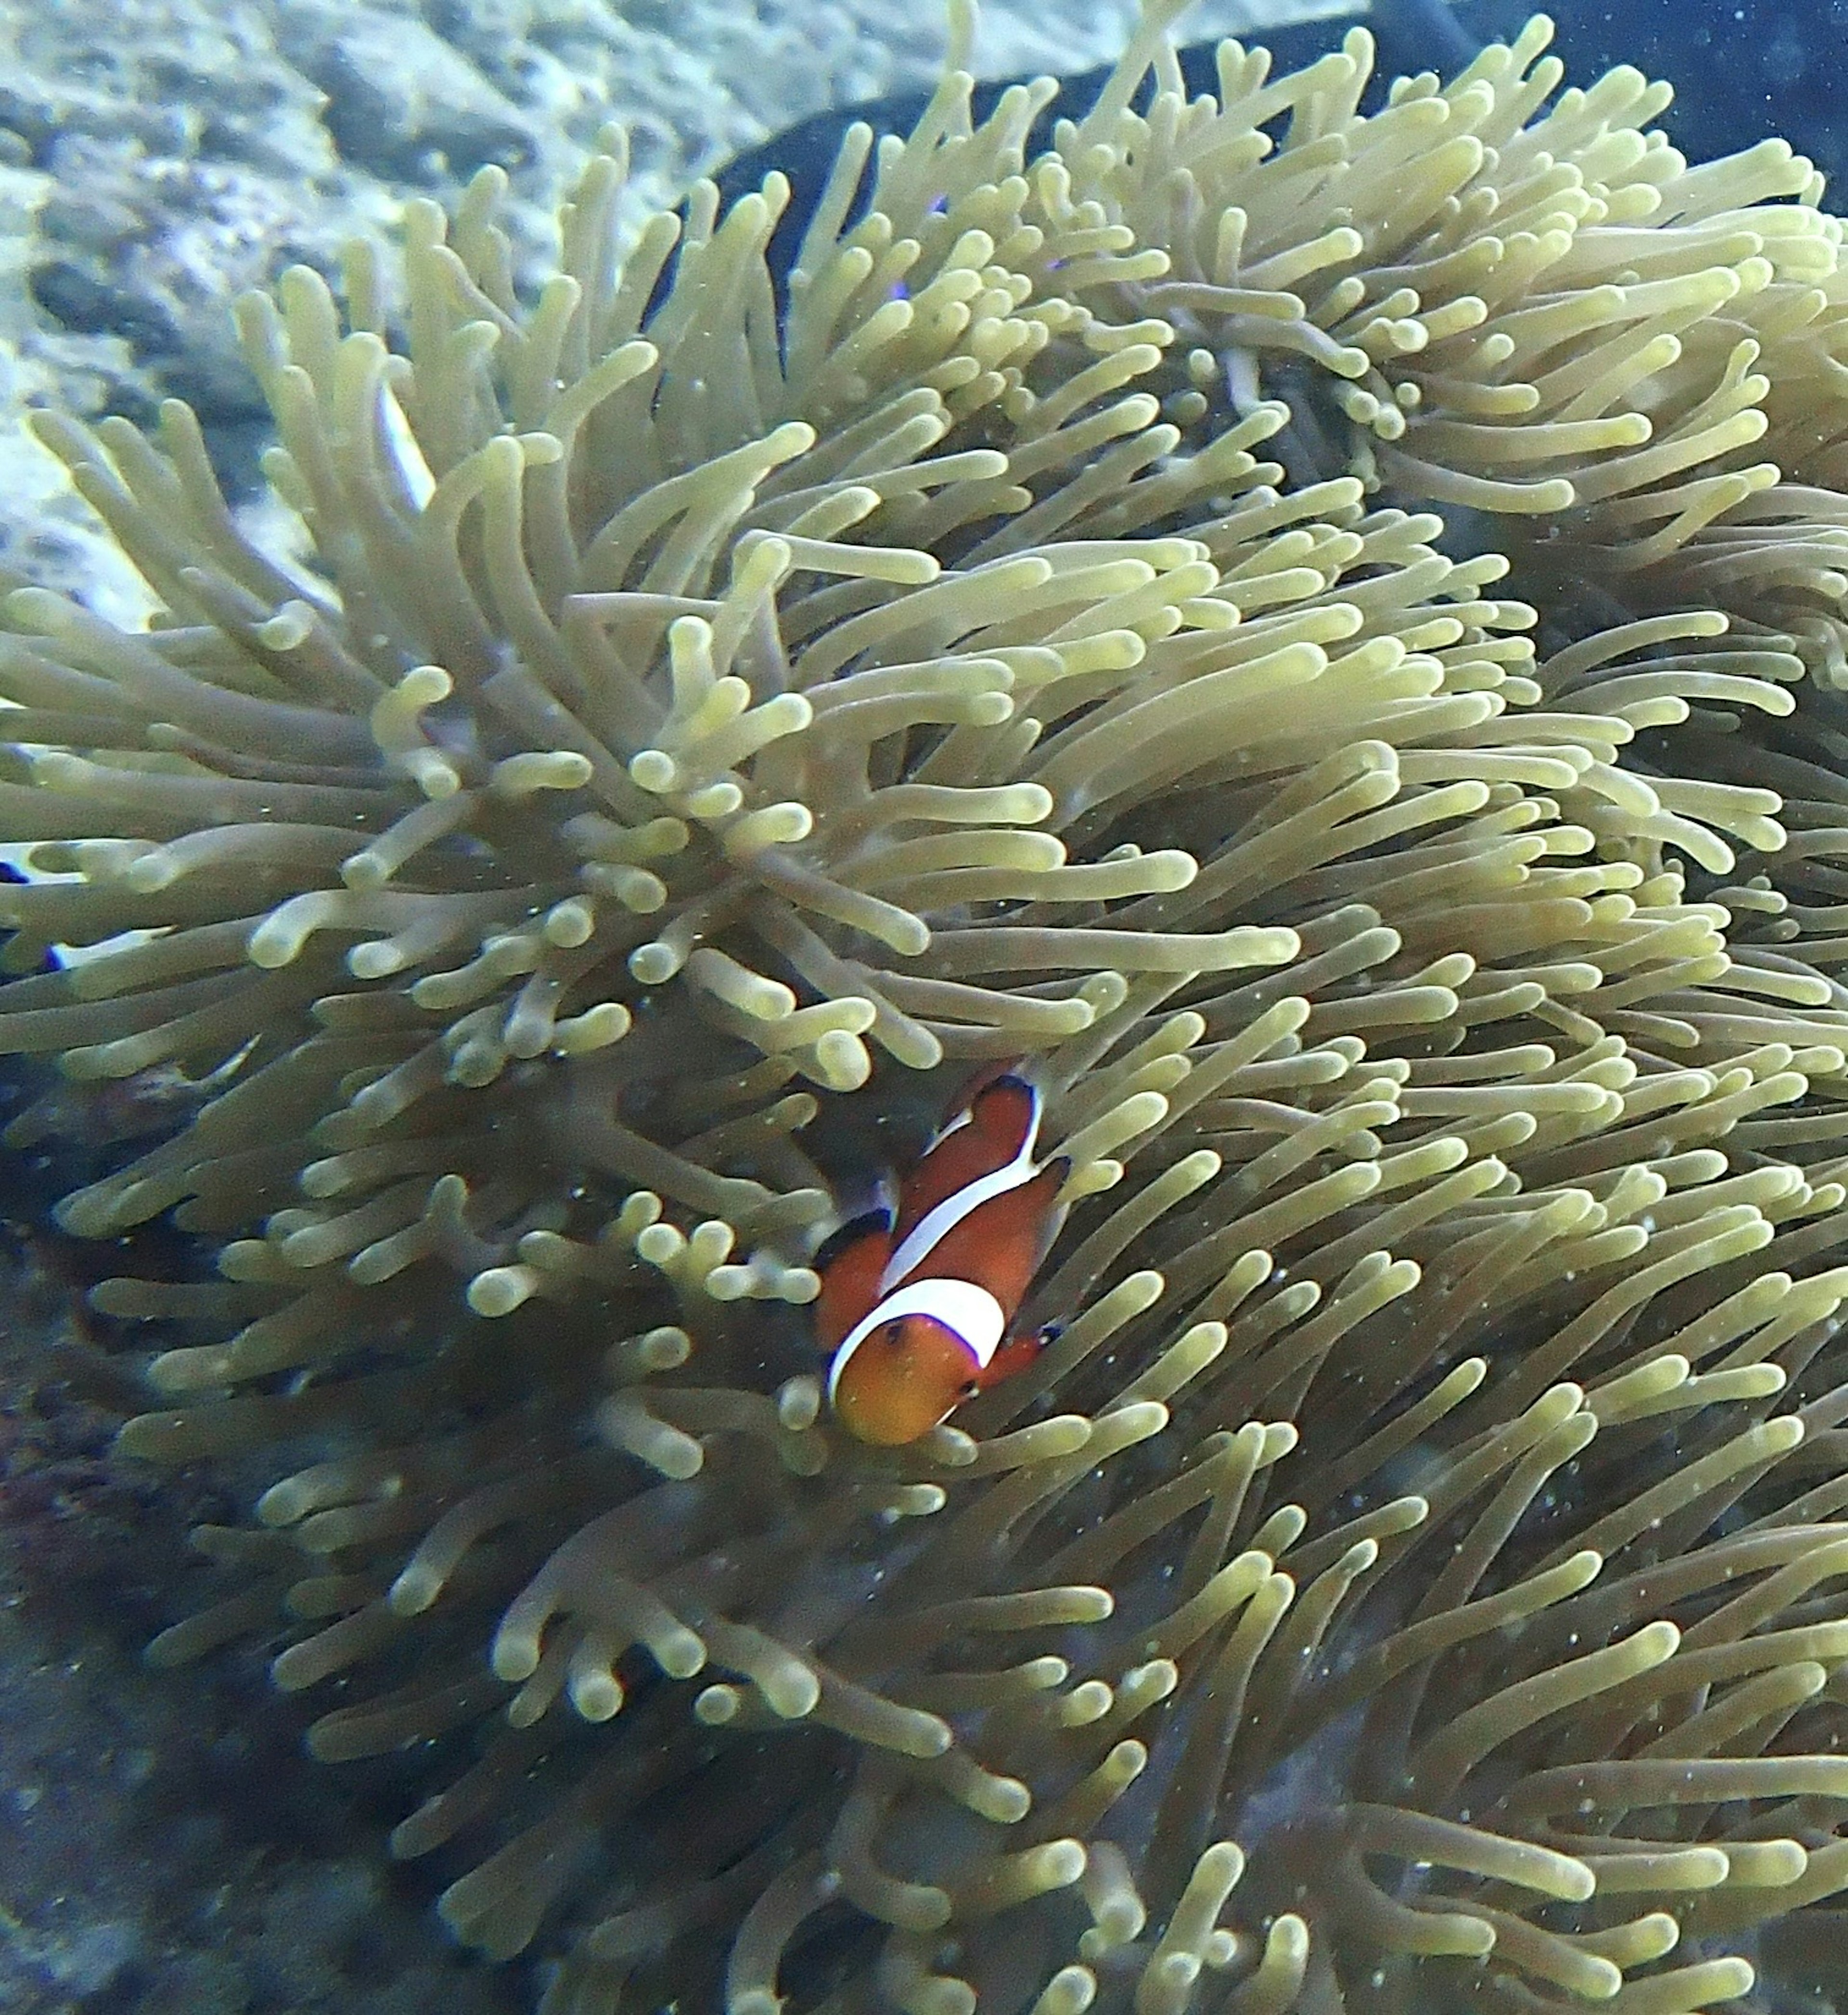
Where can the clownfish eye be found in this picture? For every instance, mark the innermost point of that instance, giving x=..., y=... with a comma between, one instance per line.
x=893, y=1336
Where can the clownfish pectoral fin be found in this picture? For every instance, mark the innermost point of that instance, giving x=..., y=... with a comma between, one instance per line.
x=850, y=1261
x=1015, y=1356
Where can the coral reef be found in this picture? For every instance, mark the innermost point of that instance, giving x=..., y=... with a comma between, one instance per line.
x=710, y=724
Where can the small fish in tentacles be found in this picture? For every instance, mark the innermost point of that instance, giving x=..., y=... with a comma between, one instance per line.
x=918, y=1308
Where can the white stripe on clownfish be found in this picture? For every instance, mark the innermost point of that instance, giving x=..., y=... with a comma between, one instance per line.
x=937, y=1224
x=970, y=1313
x=948, y=1127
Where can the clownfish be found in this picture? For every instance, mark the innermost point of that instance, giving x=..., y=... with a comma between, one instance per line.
x=917, y=1312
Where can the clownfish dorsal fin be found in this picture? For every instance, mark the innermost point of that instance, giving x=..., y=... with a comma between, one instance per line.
x=846, y=1235
x=850, y=1261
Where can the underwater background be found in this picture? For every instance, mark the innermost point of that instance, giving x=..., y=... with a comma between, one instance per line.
x=164, y=1844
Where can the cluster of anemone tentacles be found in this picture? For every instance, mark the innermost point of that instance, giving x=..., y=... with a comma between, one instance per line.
x=707, y=721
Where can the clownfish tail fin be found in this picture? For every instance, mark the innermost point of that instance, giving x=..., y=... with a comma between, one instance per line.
x=850, y=1263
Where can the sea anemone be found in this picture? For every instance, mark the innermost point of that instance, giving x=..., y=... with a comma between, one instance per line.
x=707, y=720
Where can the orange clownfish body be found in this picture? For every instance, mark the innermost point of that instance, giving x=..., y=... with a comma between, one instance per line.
x=918, y=1312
